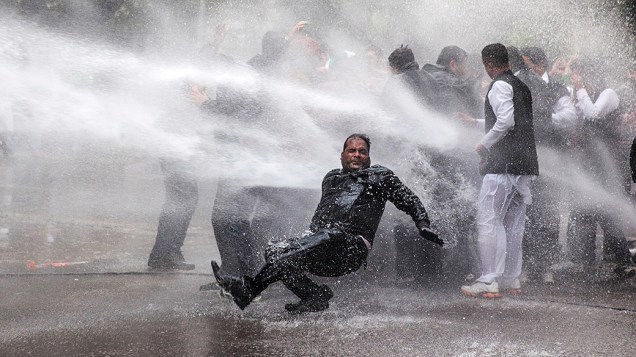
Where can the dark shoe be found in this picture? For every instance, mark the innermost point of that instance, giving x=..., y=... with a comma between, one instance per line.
x=170, y=261
x=318, y=302
x=625, y=271
x=169, y=264
x=239, y=288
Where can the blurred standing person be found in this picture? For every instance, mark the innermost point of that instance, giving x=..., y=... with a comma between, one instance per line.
x=244, y=214
x=600, y=154
x=456, y=91
x=235, y=203
x=416, y=260
x=406, y=75
x=181, y=197
x=453, y=91
x=508, y=161
x=554, y=118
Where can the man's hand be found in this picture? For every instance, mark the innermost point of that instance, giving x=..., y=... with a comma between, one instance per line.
x=298, y=28
x=482, y=152
x=559, y=67
x=198, y=95
x=427, y=233
x=465, y=119
x=577, y=80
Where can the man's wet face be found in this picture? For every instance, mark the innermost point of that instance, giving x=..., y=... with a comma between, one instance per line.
x=459, y=68
x=355, y=155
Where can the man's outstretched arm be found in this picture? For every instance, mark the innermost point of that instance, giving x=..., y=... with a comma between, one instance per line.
x=407, y=201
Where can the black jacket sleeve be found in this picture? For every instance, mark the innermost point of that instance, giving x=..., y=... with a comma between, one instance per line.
x=402, y=197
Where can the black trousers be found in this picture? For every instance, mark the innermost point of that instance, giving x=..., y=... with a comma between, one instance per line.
x=245, y=218
x=328, y=253
x=582, y=236
x=232, y=216
x=180, y=202
x=541, y=247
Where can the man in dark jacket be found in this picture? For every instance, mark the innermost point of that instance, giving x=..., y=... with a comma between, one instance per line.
x=417, y=262
x=235, y=217
x=456, y=92
x=407, y=75
x=554, y=116
x=342, y=232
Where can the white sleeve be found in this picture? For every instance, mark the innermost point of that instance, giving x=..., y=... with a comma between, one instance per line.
x=606, y=103
x=564, y=113
x=500, y=98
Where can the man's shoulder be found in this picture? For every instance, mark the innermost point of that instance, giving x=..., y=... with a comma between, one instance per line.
x=438, y=73
x=508, y=82
x=333, y=172
x=373, y=169
x=380, y=170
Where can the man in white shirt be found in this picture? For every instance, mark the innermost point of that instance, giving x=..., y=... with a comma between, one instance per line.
x=563, y=110
x=508, y=161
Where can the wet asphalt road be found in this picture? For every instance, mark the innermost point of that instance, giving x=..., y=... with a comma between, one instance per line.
x=109, y=304
x=164, y=315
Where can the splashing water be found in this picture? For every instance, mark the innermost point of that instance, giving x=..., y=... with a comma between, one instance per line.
x=73, y=96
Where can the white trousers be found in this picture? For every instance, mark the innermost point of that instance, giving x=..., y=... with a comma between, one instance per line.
x=501, y=216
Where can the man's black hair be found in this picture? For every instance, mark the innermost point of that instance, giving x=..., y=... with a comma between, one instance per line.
x=496, y=54
x=274, y=44
x=364, y=137
x=401, y=57
x=515, y=59
x=536, y=55
x=450, y=53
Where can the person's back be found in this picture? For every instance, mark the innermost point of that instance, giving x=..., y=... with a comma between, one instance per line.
x=274, y=46
x=600, y=151
x=516, y=152
x=454, y=90
x=407, y=75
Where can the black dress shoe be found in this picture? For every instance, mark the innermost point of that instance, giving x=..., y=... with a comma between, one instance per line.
x=240, y=289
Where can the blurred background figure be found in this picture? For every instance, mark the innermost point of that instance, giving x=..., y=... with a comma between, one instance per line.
x=602, y=155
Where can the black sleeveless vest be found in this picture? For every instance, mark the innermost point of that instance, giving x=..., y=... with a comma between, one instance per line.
x=516, y=152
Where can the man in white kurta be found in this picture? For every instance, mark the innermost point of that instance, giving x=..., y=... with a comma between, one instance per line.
x=508, y=161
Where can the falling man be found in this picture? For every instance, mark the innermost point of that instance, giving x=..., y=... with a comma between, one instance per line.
x=342, y=231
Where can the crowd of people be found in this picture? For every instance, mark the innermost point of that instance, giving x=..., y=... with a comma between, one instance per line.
x=530, y=108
